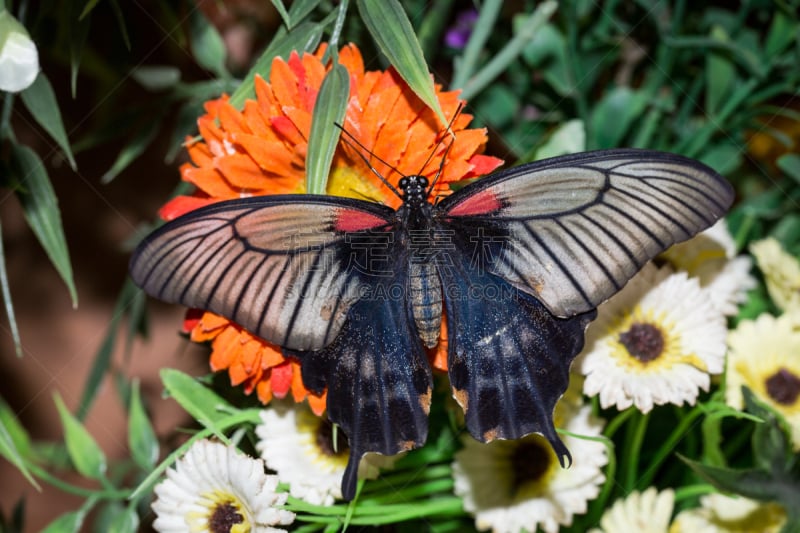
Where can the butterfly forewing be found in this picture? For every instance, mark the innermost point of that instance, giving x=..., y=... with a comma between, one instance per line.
x=284, y=267
x=577, y=228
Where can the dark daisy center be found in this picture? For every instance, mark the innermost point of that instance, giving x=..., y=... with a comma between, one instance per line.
x=530, y=461
x=645, y=342
x=783, y=386
x=325, y=440
x=223, y=519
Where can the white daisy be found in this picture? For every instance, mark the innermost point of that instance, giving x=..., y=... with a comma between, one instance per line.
x=515, y=485
x=654, y=342
x=710, y=257
x=298, y=446
x=640, y=512
x=214, y=488
x=764, y=356
x=781, y=273
x=719, y=513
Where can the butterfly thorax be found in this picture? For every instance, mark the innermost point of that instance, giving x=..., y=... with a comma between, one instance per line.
x=424, y=286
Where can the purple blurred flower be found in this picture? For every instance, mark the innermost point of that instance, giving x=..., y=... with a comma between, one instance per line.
x=458, y=34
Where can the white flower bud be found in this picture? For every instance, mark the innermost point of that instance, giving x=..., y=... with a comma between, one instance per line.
x=19, y=60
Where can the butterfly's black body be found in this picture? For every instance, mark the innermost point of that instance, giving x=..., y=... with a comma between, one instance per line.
x=516, y=262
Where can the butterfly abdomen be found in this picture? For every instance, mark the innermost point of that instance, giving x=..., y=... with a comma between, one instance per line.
x=425, y=295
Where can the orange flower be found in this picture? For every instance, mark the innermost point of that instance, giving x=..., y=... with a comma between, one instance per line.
x=261, y=150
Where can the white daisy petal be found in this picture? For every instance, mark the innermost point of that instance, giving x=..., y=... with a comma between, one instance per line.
x=645, y=512
x=719, y=513
x=781, y=272
x=710, y=257
x=215, y=488
x=764, y=356
x=297, y=445
x=515, y=485
x=655, y=342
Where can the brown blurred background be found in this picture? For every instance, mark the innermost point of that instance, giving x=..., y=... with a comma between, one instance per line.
x=59, y=342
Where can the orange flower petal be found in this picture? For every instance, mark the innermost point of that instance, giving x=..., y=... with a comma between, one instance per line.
x=282, y=379
x=180, y=205
x=241, y=171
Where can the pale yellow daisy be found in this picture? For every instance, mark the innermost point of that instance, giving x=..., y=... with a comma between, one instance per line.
x=657, y=341
x=765, y=356
x=711, y=257
x=719, y=513
x=517, y=485
x=781, y=273
x=299, y=446
x=214, y=488
x=640, y=512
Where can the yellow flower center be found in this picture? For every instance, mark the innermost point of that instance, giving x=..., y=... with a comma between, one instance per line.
x=533, y=464
x=347, y=181
x=224, y=513
x=645, y=342
x=328, y=449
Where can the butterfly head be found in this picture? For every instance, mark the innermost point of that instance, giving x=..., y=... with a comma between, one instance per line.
x=415, y=190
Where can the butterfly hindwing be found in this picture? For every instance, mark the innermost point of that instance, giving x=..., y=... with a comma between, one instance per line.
x=508, y=356
x=377, y=376
x=578, y=227
x=284, y=267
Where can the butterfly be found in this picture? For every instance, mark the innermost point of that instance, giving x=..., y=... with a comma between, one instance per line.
x=515, y=262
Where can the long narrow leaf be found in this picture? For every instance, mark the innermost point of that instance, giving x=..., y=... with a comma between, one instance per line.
x=389, y=26
x=140, y=141
x=201, y=402
x=303, y=37
x=41, y=209
x=7, y=302
x=40, y=99
x=102, y=361
x=84, y=452
x=329, y=110
x=14, y=442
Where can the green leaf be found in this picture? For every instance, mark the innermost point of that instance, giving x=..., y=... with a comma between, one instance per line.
x=772, y=447
x=7, y=302
x=205, y=405
x=568, y=138
x=614, y=115
x=123, y=29
x=303, y=37
x=281, y=9
x=790, y=163
x=391, y=30
x=41, y=101
x=207, y=45
x=156, y=78
x=87, y=457
x=78, y=33
x=751, y=483
x=66, y=523
x=141, y=437
x=781, y=33
x=102, y=360
x=300, y=9
x=720, y=73
x=41, y=210
x=126, y=521
x=141, y=139
x=90, y=5
x=15, y=442
x=329, y=110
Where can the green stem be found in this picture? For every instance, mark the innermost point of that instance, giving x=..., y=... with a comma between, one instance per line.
x=338, y=25
x=669, y=445
x=617, y=422
x=510, y=51
x=692, y=491
x=633, y=449
x=575, y=74
x=477, y=40
x=108, y=494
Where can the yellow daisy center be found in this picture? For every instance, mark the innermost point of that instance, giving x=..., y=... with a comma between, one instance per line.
x=224, y=513
x=327, y=448
x=644, y=341
x=533, y=464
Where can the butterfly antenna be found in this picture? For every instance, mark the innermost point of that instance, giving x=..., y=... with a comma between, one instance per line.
x=359, y=149
x=447, y=150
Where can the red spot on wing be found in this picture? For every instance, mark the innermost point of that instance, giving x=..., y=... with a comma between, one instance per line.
x=348, y=220
x=480, y=203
